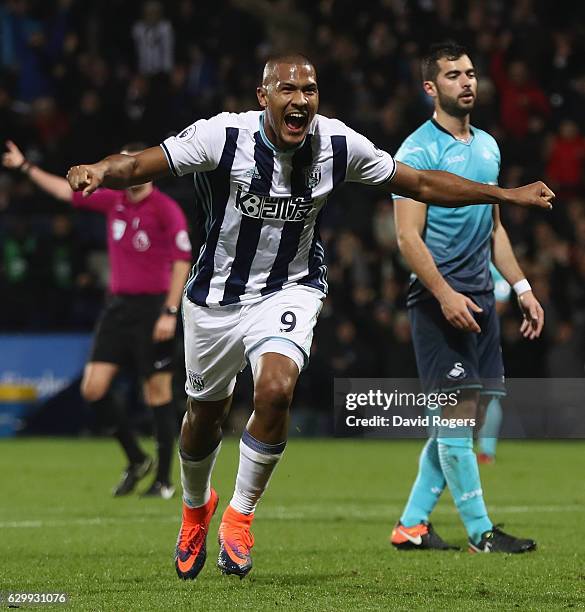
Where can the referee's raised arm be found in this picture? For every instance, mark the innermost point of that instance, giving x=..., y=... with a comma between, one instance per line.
x=119, y=171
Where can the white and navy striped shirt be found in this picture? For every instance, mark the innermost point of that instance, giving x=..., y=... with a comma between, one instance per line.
x=262, y=206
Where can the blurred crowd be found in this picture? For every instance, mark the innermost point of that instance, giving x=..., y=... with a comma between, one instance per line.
x=79, y=79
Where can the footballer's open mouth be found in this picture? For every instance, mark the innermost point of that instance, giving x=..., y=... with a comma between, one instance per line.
x=467, y=96
x=296, y=121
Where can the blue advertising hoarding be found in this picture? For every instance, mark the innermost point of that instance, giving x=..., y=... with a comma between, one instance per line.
x=34, y=368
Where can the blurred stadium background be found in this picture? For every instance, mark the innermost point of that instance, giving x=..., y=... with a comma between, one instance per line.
x=76, y=82
x=78, y=79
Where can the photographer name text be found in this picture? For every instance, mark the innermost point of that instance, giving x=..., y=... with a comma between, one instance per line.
x=397, y=421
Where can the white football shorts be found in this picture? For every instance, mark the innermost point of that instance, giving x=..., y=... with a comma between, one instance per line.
x=219, y=342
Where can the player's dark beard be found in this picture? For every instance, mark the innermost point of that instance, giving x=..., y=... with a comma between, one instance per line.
x=451, y=106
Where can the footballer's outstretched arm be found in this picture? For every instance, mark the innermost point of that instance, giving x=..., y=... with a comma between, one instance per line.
x=450, y=190
x=119, y=171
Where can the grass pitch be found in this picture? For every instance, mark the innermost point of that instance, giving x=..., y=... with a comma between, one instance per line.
x=321, y=532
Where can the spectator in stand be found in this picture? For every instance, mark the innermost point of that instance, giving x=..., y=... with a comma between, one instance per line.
x=62, y=261
x=10, y=121
x=201, y=79
x=574, y=103
x=350, y=357
x=566, y=159
x=286, y=26
x=520, y=96
x=22, y=51
x=399, y=353
x=89, y=119
x=19, y=265
x=154, y=40
x=52, y=126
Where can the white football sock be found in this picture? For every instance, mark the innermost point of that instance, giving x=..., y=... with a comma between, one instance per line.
x=257, y=462
x=196, y=478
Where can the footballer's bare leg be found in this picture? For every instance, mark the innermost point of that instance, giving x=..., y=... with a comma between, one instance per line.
x=274, y=383
x=261, y=448
x=202, y=423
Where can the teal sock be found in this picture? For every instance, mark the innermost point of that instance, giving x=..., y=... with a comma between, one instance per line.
x=460, y=469
x=488, y=434
x=427, y=487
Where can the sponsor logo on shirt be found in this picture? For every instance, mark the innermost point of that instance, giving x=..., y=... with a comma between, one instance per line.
x=182, y=241
x=455, y=159
x=141, y=241
x=118, y=229
x=253, y=173
x=270, y=207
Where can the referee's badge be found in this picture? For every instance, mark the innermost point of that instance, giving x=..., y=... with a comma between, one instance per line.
x=182, y=241
x=118, y=229
x=312, y=176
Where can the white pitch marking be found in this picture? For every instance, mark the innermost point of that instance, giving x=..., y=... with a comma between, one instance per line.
x=281, y=513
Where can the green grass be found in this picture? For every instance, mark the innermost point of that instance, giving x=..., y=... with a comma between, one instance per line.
x=321, y=532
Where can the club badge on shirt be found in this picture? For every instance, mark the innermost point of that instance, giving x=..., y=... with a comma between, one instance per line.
x=312, y=176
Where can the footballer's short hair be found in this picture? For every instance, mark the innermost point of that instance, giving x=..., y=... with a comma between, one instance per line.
x=284, y=58
x=447, y=49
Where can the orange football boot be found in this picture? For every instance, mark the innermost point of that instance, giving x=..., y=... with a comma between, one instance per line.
x=235, y=542
x=421, y=536
x=191, y=550
x=486, y=459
